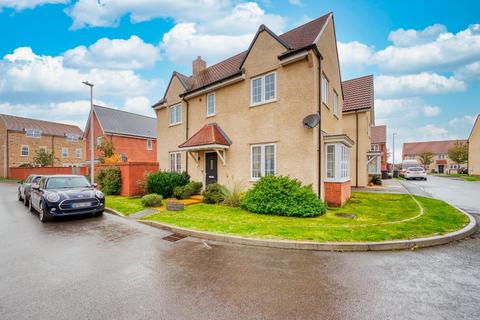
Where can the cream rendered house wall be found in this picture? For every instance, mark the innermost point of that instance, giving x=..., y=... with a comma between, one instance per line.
x=474, y=149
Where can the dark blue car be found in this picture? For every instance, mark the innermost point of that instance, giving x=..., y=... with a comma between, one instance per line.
x=65, y=195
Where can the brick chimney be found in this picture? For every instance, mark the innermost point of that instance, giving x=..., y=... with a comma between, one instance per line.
x=198, y=65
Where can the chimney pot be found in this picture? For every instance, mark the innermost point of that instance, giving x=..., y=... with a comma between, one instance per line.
x=198, y=65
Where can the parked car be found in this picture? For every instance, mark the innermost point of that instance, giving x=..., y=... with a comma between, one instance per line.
x=415, y=173
x=25, y=187
x=65, y=195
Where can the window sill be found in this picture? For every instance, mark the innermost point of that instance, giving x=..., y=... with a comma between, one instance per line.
x=262, y=103
x=211, y=115
x=174, y=124
x=339, y=180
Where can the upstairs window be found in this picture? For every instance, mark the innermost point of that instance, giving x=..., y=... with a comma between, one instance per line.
x=65, y=152
x=441, y=156
x=211, y=104
x=374, y=147
x=337, y=162
x=263, y=161
x=72, y=138
x=335, y=103
x=176, y=162
x=32, y=133
x=149, y=144
x=175, y=116
x=99, y=141
x=78, y=153
x=325, y=85
x=264, y=88
x=25, y=151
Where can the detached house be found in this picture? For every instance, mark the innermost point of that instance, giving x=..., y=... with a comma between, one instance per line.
x=133, y=135
x=474, y=149
x=21, y=139
x=275, y=108
x=441, y=162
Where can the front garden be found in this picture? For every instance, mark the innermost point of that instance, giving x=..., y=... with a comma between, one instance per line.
x=459, y=176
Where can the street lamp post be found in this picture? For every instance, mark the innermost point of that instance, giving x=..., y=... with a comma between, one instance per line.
x=393, y=152
x=92, y=154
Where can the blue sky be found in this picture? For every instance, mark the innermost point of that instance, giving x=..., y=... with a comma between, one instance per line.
x=425, y=55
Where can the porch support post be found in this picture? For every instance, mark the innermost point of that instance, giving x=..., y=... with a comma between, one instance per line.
x=221, y=155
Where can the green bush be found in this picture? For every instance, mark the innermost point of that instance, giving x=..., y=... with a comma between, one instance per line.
x=110, y=180
x=283, y=196
x=234, y=196
x=376, y=180
x=164, y=182
x=152, y=200
x=214, y=193
x=188, y=190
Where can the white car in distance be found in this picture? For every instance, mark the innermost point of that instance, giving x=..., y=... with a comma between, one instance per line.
x=415, y=173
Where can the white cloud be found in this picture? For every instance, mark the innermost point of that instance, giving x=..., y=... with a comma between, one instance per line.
x=140, y=105
x=403, y=111
x=19, y=5
x=430, y=111
x=25, y=75
x=411, y=37
x=465, y=121
x=432, y=132
x=132, y=53
x=469, y=72
x=354, y=53
x=416, y=84
x=295, y=2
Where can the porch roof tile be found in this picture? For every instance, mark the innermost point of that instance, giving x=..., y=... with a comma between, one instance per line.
x=209, y=134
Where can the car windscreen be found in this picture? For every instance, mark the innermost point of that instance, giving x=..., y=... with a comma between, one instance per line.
x=67, y=182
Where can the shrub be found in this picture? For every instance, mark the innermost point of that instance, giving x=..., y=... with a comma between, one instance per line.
x=234, y=196
x=152, y=200
x=164, y=182
x=110, y=180
x=280, y=195
x=214, y=193
x=188, y=190
x=376, y=180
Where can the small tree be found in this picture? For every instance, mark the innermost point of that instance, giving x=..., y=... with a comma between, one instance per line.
x=107, y=149
x=44, y=158
x=426, y=158
x=458, y=153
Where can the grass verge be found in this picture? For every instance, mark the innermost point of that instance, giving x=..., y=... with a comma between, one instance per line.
x=464, y=177
x=124, y=205
x=376, y=217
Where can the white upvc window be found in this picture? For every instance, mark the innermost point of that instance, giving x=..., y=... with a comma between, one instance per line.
x=374, y=166
x=65, y=152
x=335, y=103
x=441, y=156
x=78, y=153
x=337, y=162
x=263, y=160
x=264, y=89
x=32, y=133
x=72, y=138
x=176, y=162
x=175, y=114
x=325, y=85
x=25, y=151
x=99, y=141
x=211, y=104
x=375, y=147
x=149, y=144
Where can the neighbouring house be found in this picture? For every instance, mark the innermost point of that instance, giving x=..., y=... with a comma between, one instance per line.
x=21, y=138
x=474, y=149
x=274, y=109
x=379, y=144
x=441, y=163
x=133, y=135
x=358, y=118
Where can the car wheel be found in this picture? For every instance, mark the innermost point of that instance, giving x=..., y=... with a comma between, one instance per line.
x=30, y=206
x=42, y=214
x=19, y=196
x=25, y=201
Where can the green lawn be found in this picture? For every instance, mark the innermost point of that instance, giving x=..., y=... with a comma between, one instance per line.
x=464, y=177
x=124, y=205
x=370, y=209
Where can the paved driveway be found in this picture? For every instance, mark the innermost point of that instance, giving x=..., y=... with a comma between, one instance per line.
x=463, y=194
x=114, y=268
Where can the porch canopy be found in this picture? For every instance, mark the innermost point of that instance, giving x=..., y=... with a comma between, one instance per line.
x=209, y=138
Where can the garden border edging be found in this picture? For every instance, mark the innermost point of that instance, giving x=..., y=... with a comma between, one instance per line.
x=326, y=246
x=111, y=211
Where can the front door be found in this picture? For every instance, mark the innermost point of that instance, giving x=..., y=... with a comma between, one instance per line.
x=211, y=167
x=440, y=168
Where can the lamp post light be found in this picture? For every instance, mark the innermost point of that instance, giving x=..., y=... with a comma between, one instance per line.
x=92, y=155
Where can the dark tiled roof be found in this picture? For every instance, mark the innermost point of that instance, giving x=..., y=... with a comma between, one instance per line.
x=299, y=37
x=416, y=148
x=115, y=121
x=358, y=94
x=210, y=133
x=48, y=128
x=379, y=134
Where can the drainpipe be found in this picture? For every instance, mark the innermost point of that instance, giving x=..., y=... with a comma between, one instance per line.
x=8, y=156
x=356, y=150
x=319, y=58
x=186, y=133
x=53, y=154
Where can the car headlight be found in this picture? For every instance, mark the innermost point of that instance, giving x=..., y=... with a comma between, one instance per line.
x=53, y=197
x=99, y=194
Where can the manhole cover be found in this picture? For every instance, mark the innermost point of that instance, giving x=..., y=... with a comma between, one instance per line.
x=346, y=215
x=174, y=237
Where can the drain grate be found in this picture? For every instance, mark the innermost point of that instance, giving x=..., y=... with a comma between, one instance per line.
x=174, y=237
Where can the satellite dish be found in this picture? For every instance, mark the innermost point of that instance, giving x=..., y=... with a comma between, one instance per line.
x=311, y=121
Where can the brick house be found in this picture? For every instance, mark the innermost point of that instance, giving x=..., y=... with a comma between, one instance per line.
x=441, y=162
x=275, y=108
x=21, y=138
x=358, y=118
x=379, y=143
x=474, y=149
x=133, y=135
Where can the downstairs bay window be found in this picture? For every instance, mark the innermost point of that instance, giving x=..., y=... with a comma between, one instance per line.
x=337, y=162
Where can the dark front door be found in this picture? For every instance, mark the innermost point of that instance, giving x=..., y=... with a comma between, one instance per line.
x=211, y=168
x=440, y=168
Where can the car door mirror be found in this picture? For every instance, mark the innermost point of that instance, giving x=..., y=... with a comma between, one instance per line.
x=95, y=185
